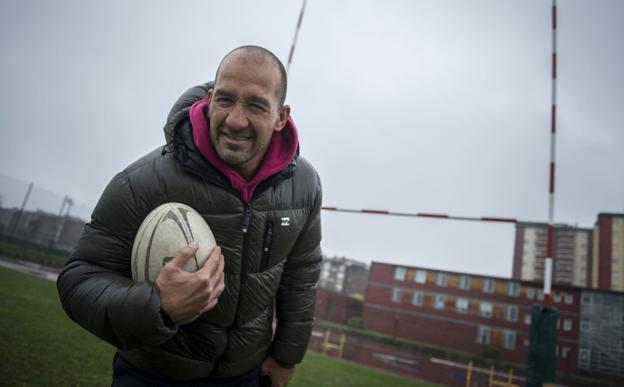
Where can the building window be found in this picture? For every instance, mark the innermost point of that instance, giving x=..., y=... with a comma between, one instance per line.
x=325, y=272
x=330, y=306
x=462, y=305
x=417, y=298
x=540, y=295
x=530, y=293
x=557, y=297
x=584, y=359
x=585, y=326
x=525, y=342
x=399, y=273
x=567, y=325
x=513, y=289
x=568, y=299
x=442, y=279
x=586, y=299
x=485, y=309
x=483, y=334
x=439, y=301
x=397, y=294
x=421, y=276
x=509, y=339
x=565, y=351
x=511, y=313
x=464, y=282
x=527, y=319
x=488, y=285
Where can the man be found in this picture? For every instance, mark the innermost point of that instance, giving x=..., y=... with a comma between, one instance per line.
x=232, y=154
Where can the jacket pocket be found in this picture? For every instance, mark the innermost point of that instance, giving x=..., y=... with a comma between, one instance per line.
x=266, y=245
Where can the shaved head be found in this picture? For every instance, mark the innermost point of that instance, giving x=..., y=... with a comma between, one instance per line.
x=259, y=56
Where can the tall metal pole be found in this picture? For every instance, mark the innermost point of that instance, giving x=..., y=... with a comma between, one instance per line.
x=62, y=220
x=553, y=130
x=294, y=43
x=63, y=206
x=21, y=210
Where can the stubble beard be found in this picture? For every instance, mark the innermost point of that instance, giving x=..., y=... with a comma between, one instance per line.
x=237, y=157
x=233, y=157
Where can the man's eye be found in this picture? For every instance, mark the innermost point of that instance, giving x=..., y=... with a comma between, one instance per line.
x=257, y=107
x=223, y=99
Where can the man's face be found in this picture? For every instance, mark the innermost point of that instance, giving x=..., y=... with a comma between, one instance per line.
x=244, y=112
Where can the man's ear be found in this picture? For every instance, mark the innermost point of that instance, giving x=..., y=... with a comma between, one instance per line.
x=283, y=118
x=209, y=95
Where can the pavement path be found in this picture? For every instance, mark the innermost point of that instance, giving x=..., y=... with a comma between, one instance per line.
x=46, y=272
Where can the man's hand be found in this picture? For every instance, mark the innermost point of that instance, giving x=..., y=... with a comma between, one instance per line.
x=185, y=295
x=280, y=376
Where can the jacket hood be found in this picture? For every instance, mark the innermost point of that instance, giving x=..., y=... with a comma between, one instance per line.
x=180, y=109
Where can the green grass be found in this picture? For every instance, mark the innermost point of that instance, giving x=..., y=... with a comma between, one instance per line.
x=40, y=346
x=322, y=371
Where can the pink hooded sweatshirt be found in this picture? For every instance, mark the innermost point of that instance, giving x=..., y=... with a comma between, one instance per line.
x=282, y=150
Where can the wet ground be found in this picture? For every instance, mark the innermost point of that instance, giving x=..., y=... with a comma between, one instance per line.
x=30, y=268
x=405, y=361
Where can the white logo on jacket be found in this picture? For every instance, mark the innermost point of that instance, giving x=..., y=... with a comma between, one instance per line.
x=285, y=221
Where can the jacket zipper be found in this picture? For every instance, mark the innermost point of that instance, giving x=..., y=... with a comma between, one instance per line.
x=244, y=259
x=266, y=247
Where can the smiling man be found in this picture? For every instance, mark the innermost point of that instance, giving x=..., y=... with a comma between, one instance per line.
x=246, y=108
x=232, y=154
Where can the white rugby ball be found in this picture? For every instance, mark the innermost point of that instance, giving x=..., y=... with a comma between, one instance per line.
x=163, y=233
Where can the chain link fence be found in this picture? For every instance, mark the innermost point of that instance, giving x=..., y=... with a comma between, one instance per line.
x=33, y=215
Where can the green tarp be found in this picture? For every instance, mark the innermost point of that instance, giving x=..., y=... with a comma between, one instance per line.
x=543, y=339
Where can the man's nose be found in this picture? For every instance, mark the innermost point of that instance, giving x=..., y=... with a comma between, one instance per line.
x=237, y=117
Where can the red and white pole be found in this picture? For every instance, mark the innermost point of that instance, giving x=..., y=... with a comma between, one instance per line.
x=553, y=130
x=294, y=43
x=423, y=215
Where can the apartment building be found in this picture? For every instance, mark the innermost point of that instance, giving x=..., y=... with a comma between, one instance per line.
x=343, y=275
x=571, y=258
x=483, y=315
x=608, y=252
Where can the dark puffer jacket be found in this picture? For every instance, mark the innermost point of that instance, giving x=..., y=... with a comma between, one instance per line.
x=282, y=218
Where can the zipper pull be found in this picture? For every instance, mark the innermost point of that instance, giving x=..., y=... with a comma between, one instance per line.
x=268, y=238
x=246, y=218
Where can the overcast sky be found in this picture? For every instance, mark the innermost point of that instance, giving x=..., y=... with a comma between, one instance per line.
x=411, y=106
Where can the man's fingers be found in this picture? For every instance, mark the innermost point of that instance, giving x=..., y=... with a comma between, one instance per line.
x=211, y=265
x=221, y=266
x=184, y=255
x=219, y=284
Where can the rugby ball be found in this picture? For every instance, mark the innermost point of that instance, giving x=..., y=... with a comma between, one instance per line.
x=163, y=233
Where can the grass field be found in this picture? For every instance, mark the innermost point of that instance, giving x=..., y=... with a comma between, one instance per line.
x=40, y=346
